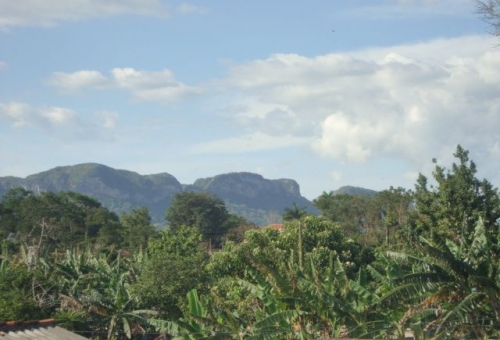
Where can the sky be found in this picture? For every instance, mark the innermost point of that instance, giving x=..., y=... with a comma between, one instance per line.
x=328, y=93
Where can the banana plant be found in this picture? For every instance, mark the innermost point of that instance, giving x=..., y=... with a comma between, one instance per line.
x=452, y=288
x=197, y=324
x=95, y=289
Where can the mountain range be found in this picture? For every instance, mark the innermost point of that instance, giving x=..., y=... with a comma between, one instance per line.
x=249, y=195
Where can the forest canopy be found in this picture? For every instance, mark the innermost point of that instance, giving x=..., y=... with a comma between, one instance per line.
x=369, y=266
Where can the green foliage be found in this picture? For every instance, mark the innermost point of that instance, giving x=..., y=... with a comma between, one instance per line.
x=137, y=229
x=291, y=303
x=94, y=296
x=372, y=219
x=393, y=206
x=453, y=207
x=314, y=237
x=174, y=267
x=349, y=211
x=17, y=286
x=118, y=190
x=453, y=290
x=449, y=275
x=237, y=234
x=306, y=268
x=49, y=221
x=294, y=213
x=315, y=278
x=203, y=211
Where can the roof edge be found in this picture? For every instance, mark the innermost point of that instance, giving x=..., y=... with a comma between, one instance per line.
x=26, y=323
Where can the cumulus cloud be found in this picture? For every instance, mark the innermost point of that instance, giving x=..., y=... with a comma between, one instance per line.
x=154, y=86
x=78, y=80
x=435, y=52
x=58, y=116
x=58, y=122
x=16, y=113
x=52, y=12
x=145, y=85
x=413, y=102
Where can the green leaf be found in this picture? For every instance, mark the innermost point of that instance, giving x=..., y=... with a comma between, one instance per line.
x=194, y=304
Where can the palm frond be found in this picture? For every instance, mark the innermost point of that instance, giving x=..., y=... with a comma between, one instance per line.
x=461, y=311
x=404, y=292
x=279, y=318
x=164, y=326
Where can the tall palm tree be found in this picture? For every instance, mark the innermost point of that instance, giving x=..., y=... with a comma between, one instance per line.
x=294, y=213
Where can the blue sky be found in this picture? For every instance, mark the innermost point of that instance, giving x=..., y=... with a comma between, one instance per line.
x=328, y=93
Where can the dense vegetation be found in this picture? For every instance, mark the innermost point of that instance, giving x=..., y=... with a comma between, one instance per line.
x=370, y=266
x=249, y=195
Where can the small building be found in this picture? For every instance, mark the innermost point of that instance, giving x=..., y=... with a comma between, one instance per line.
x=36, y=330
x=275, y=226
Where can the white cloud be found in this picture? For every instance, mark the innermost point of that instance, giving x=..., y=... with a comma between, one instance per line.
x=52, y=12
x=57, y=122
x=58, y=116
x=109, y=119
x=78, y=80
x=132, y=79
x=186, y=8
x=250, y=143
x=412, y=101
x=435, y=52
x=345, y=139
x=154, y=86
x=145, y=85
x=3, y=64
x=17, y=113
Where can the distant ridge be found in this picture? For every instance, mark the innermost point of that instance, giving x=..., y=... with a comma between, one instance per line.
x=118, y=190
x=249, y=195
x=252, y=196
x=354, y=191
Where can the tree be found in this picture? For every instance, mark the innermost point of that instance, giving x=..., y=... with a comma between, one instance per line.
x=204, y=211
x=174, y=266
x=294, y=213
x=238, y=233
x=94, y=293
x=451, y=290
x=137, y=229
x=449, y=273
x=355, y=213
x=17, y=284
x=314, y=237
x=490, y=12
x=56, y=220
x=291, y=301
x=459, y=199
x=393, y=207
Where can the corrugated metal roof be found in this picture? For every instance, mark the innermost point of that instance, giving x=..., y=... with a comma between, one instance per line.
x=38, y=330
